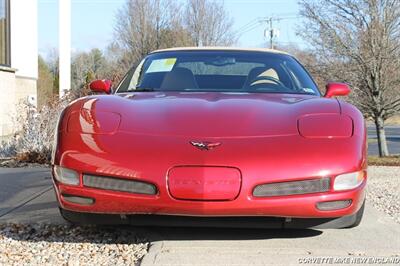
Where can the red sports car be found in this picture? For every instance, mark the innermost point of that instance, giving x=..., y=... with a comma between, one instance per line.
x=213, y=136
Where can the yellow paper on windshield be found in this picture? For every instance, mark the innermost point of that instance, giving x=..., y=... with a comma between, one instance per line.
x=161, y=65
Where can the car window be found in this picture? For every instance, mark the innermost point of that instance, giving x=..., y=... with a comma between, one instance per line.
x=224, y=71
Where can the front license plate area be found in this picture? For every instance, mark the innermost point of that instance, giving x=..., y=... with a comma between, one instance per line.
x=206, y=183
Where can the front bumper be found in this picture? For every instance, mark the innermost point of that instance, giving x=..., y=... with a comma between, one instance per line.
x=300, y=206
x=259, y=159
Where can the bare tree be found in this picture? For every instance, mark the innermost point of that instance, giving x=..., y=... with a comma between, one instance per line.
x=145, y=25
x=208, y=23
x=358, y=41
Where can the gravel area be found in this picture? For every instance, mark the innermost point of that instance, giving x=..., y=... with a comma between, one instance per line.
x=384, y=189
x=69, y=245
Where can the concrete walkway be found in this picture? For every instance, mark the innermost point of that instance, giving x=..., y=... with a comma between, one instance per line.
x=378, y=235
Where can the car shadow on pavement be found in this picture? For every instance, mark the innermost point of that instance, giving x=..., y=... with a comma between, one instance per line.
x=129, y=235
x=40, y=220
x=202, y=233
x=69, y=233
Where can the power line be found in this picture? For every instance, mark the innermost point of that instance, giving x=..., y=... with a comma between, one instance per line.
x=249, y=29
x=249, y=26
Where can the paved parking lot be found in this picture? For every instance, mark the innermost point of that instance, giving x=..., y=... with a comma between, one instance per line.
x=26, y=196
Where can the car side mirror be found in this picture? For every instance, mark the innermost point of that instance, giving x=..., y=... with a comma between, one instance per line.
x=336, y=89
x=101, y=86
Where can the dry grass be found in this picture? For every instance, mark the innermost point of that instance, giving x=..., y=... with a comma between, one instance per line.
x=33, y=157
x=394, y=121
x=393, y=160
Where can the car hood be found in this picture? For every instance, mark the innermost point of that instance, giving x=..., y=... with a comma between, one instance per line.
x=210, y=115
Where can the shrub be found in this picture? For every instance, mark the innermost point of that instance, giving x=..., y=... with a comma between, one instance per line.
x=35, y=131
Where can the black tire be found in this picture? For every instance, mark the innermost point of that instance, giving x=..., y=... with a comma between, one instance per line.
x=358, y=217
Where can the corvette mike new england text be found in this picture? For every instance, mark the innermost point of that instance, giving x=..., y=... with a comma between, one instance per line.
x=351, y=260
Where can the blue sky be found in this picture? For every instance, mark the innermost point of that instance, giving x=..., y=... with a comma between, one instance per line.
x=93, y=22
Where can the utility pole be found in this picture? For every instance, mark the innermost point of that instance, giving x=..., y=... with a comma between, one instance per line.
x=270, y=31
x=271, y=34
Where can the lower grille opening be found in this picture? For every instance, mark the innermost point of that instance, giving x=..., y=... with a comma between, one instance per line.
x=292, y=188
x=116, y=184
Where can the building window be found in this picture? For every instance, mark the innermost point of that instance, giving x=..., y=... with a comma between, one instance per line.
x=5, y=32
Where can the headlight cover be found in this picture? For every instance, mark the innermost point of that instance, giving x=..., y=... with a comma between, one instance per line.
x=93, y=122
x=325, y=126
x=348, y=181
x=66, y=176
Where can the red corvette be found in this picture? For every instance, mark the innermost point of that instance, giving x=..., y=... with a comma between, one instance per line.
x=213, y=136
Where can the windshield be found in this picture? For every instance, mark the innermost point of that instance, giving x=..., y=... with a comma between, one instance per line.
x=219, y=71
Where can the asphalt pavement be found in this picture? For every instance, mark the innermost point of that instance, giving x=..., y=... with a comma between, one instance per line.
x=26, y=196
x=392, y=137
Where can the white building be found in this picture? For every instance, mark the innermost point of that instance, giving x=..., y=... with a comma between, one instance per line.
x=18, y=58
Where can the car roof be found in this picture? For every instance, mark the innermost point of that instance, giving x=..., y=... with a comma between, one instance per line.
x=220, y=48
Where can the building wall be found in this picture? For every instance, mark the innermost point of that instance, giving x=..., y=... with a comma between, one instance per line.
x=7, y=86
x=24, y=38
x=14, y=91
x=19, y=82
x=25, y=90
